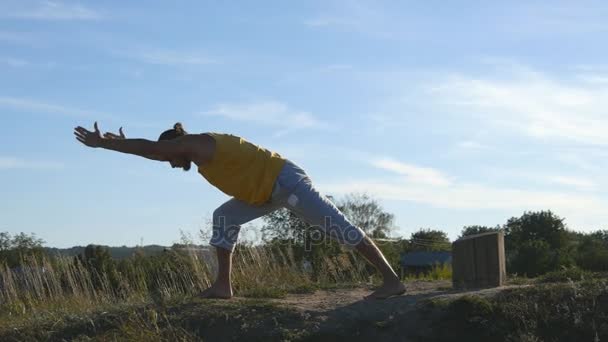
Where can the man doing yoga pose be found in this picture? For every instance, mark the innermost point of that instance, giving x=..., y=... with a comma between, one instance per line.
x=259, y=182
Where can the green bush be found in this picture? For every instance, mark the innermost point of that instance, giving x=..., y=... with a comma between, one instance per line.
x=564, y=275
x=549, y=312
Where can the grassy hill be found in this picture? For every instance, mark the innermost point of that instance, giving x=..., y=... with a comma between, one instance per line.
x=431, y=311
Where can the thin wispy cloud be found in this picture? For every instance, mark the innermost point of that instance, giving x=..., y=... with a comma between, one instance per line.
x=575, y=182
x=531, y=103
x=13, y=62
x=24, y=104
x=19, y=63
x=556, y=18
x=335, y=67
x=270, y=113
x=48, y=10
x=11, y=163
x=357, y=16
x=15, y=37
x=473, y=145
x=412, y=173
x=174, y=58
x=585, y=211
x=470, y=196
x=36, y=107
x=527, y=20
x=571, y=195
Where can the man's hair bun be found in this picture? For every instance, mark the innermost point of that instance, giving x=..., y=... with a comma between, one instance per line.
x=177, y=131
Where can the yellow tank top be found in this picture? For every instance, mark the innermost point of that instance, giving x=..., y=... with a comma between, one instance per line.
x=241, y=169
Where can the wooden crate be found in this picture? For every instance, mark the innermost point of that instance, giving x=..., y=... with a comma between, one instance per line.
x=479, y=261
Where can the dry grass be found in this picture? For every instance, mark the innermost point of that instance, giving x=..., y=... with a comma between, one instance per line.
x=438, y=272
x=60, y=285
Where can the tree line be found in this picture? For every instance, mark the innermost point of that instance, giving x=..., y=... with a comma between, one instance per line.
x=535, y=242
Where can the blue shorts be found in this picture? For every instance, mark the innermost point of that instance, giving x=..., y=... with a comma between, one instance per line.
x=293, y=190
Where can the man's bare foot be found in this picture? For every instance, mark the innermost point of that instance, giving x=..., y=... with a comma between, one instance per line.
x=387, y=290
x=216, y=291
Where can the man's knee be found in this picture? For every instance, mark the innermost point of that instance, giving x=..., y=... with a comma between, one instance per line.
x=225, y=230
x=343, y=231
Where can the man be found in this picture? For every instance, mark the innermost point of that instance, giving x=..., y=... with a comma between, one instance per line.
x=260, y=181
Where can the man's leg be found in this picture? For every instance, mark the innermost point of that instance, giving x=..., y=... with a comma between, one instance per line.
x=227, y=221
x=391, y=284
x=222, y=287
x=318, y=210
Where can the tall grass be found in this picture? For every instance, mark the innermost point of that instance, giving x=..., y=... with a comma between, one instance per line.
x=437, y=272
x=51, y=284
x=60, y=283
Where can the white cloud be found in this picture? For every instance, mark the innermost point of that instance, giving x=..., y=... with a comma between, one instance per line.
x=15, y=37
x=386, y=19
x=7, y=163
x=172, y=58
x=576, y=182
x=413, y=173
x=50, y=10
x=432, y=187
x=556, y=18
x=335, y=67
x=472, y=145
x=358, y=16
x=269, y=113
x=585, y=211
x=35, y=106
x=469, y=195
x=531, y=103
x=13, y=62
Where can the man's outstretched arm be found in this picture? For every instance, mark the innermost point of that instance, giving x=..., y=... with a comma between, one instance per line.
x=161, y=150
x=142, y=147
x=121, y=136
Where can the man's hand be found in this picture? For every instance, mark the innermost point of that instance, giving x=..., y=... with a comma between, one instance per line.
x=120, y=135
x=91, y=139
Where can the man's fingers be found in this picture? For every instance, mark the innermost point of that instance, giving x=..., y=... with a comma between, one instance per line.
x=96, y=127
x=80, y=135
x=122, y=134
x=81, y=130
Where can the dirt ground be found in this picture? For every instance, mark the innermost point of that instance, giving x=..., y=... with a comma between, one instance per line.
x=325, y=315
x=344, y=313
x=323, y=301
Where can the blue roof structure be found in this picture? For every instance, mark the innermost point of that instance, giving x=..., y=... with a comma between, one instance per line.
x=425, y=258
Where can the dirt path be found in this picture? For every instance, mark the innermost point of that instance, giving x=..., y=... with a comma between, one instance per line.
x=323, y=301
x=341, y=313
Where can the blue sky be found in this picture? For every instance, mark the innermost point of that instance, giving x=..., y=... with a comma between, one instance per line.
x=449, y=113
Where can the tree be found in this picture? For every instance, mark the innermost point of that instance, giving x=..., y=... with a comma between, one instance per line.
x=366, y=213
x=474, y=230
x=99, y=262
x=5, y=241
x=537, y=242
x=600, y=235
x=543, y=225
x=430, y=240
x=13, y=249
x=283, y=225
x=592, y=251
x=533, y=258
